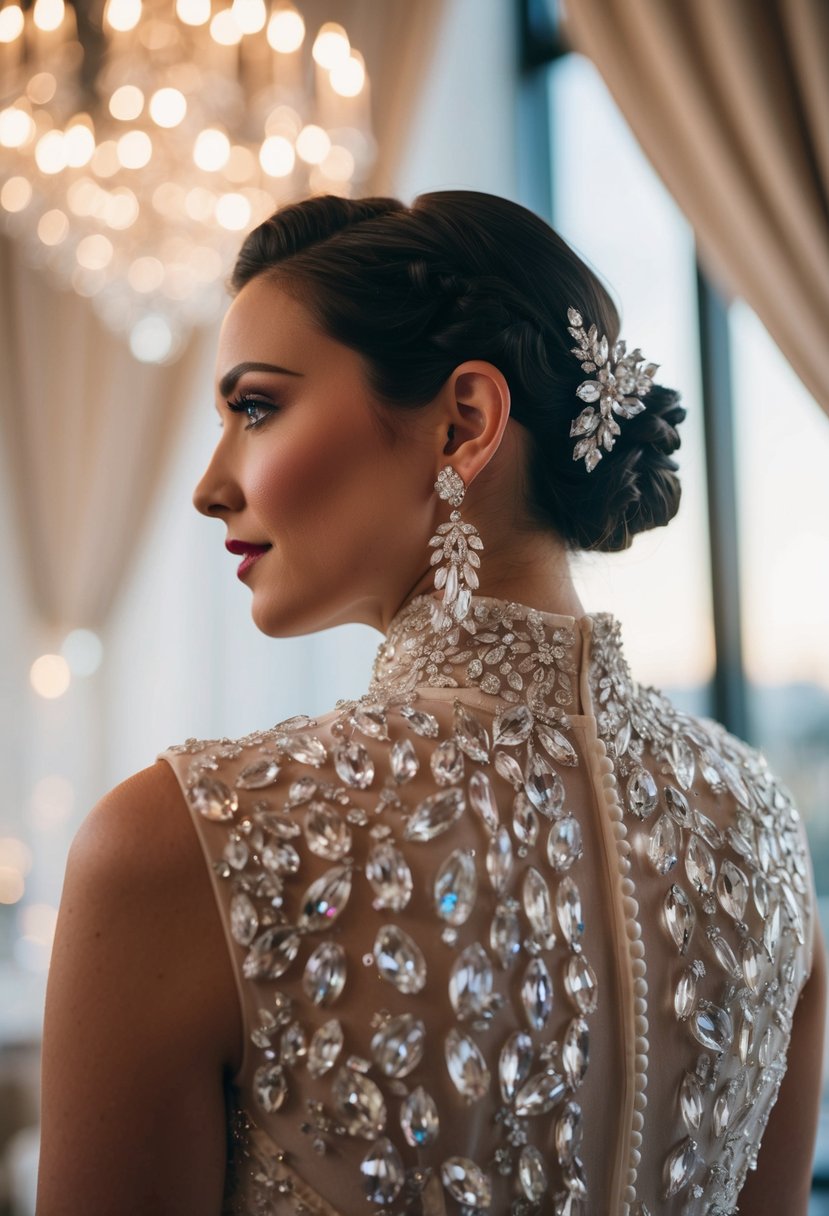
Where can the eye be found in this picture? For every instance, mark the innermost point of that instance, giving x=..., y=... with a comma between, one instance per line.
x=252, y=406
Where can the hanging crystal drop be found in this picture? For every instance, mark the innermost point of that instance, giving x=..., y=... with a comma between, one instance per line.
x=383, y=1172
x=258, y=775
x=677, y=805
x=559, y=747
x=544, y=787
x=466, y=1182
x=307, y=749
x=532, y=1173
x=712, y=1026
x=681, y=759
x=580, y=984
x=514, y=1063
x=685, y=996
x=271, y=953
x=725, y=955
x=435, y=814
x=568, y=1132
x=423, y=724
x=507, y=766
x=324, y=976
x=466, y=1065
x=455, y=887
x=280, y=857
x=642, y=793
x=359, y=1103
x=391, y=879
x=539, y=1094
x=419, y=1118
x=732, y=890
x=244, y=921
x=482, y=798
x=397, y=1047
x=471, y=734
x=524, y=820
x=399, y=959
x=447, y=763
x=270, y=1087
x=680, y=1167
x=574, y=1055
x=403, y=761
x=499, y=859
x=213, y=799
x=505, y=933
x=568, y=909
x=536, y=896
x=690, y=1101
x=700, y=865
x=325, y=899
x=326, y=832
x=470, y=982
x=564, y=843
x=512, y=726
x=537, y=993
x=680, y=917
x=663, y=844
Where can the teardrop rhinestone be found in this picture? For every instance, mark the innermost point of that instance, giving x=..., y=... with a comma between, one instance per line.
x=690, y=1101
x=724, y=954
x=271, y=953
x=663, y=844
x=680, y=917
x=539, y=1094
x=213, y=799
x=258, y=775
x=423, y=724
x=771, y=931
x=326, y=1044
x=512, y=726
x=280, y=857
x=568, y=1132
x=466, y=1182
x=514, y=1063
x=681, y=759
x=732, y=890
x=557, y=744
x=244, y=920
x=708, y=763
x=642, y=793
x=708, y=830
x=324, y=976
x=482, y=798
x=544, y=787
x=568, y=910
x=435, y=814
x=580, y=984
x=236, y=852
x=564, y=843
x=471, y=734
x=326, y=832
x=447, y=763
x=399, y=959
x=537, y=993
x=532, y=1174
x=307, y=749
x=403, y=761
x=466, y=1065
x=677, y=805
x=397, y=1047
x=391, y=879
x=685, y=996
x=536, y=897
x=359, y=1103
x=680, y=1166
x=270, y=1087
x=499, y=859
x=735, y=782
x=762, y=894
x=574, y=1055
x=354, y=765
x=724, y=1108
x=419, y=1118
x=325, y=899
x=383, y=1172
x=470, y=982
x=700, y=865
x=505, y=933
x=712, y=1026
x=455, y=887
x=507, y=766
x=524, y=820
x=753, y=963
x=371, y=720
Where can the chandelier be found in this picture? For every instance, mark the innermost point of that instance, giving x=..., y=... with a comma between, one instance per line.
x=138, y=143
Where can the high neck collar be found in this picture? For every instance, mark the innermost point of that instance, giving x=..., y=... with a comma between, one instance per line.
x=510, y=651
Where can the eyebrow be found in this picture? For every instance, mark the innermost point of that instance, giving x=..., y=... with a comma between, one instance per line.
x=229, y=379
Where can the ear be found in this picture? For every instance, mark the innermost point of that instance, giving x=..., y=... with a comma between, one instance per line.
x=477, y=406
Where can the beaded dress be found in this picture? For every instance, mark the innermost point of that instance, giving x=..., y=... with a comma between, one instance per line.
x=511, y=933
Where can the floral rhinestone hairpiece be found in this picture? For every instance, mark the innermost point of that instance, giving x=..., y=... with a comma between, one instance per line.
x=617, y=386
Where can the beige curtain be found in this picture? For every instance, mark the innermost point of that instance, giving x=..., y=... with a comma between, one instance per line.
x=88, y=433
x=730, y=101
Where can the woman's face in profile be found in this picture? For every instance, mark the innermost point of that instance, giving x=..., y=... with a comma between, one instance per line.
x=302, y=467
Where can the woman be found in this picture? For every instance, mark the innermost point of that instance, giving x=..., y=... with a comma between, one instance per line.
x=506, y=933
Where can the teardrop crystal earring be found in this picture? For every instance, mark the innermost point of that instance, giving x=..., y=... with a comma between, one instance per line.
x=454, y=542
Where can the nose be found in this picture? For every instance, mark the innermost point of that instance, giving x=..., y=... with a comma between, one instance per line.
x=217, y=491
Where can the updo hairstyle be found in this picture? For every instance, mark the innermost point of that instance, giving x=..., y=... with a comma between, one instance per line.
x=463, y=275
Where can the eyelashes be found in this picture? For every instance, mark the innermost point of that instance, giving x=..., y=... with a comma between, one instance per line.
x=247, y=404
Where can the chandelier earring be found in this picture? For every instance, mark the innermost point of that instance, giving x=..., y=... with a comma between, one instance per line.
x=456, y=544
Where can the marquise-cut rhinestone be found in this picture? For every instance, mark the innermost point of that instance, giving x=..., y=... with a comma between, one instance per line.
x=354, y=765
x=536, y=898
x=507, y=766
x=371, y=720
x=447, y=763
x=505, y=933
x=482, y=800
x=557, y=744
x=663, y=844
x=700, y=865
x=544, y=787
x=574, y=1052
x=455, y=887
x=514, y=1063
x=359, y=1103
x=580, y=984
x=677, y=805
x=325, y=971
x=470, y=982
x=466, y=1182
x=682, y=1163
x=324, y=1048
x=390, y=876
x=271, y=953
x=499, y=859
x=244, y=920
x=680, y=916
x=539, y=1094
x=403, y=761
x=524, y=821
x=732, y=890
x=397, y=1047
x=307, y=749
x=258, y=775
x=564, y=843
x=642, y=793
x=467, y=1066
x=213, y=799
x=326, y=832
x=325, y=899
x=270, y=1087
x=471, y=734
x=435, y=814
x=690, y=1100
x=537, y=993
x=383, y=1172
x=280, y=857
x=512, y=726
x=568, y=910
x=399, y=959
x=532, y=1173
x=419, y=1118
x=568, y=1132
x=681, y=759
x=712, y=1026
x=685, y=995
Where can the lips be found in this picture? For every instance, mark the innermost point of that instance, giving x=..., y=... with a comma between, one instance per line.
x=243, y=548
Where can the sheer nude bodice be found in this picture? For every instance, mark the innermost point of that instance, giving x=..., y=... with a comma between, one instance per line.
x=511, y=934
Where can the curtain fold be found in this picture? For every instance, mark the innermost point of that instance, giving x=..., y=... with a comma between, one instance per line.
x=729, y=102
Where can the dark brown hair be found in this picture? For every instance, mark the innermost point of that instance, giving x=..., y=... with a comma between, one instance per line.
x=463, y=275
